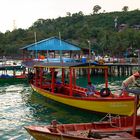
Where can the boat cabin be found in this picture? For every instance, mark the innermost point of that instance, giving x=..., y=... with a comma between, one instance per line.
x=44, y=76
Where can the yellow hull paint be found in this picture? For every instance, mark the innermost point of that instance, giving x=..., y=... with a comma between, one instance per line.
x=103, y=105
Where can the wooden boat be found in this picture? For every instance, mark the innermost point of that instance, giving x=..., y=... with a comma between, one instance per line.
x=10, y=73
x=116, y=128
x=10, y=79
x=102, y=101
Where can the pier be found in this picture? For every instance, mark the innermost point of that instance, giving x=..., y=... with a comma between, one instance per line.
x=119, y=69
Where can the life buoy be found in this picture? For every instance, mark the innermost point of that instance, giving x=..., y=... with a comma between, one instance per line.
x=105, y=92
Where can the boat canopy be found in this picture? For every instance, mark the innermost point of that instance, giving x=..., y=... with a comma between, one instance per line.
x=31, y=64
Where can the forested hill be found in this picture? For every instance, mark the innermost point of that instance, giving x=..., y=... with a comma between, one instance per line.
x=79, y=29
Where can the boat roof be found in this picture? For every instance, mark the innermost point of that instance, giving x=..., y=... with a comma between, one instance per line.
x=32, y=64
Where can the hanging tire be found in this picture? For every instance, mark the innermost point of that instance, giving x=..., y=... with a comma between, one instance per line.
x=105, y=92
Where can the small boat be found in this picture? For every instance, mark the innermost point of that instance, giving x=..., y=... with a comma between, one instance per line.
x=12, y=73
x=69, y=93
x=119, y=128
x=4, y=78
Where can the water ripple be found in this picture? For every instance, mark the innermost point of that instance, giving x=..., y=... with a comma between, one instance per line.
x=20, y=106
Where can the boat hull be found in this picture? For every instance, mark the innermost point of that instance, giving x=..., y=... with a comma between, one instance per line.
x=120, y=105
x=110, y=130
x=49, y=136
x=44, y=136
x=10, y=80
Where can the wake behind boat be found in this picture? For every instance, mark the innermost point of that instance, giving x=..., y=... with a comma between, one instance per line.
x=103, y=101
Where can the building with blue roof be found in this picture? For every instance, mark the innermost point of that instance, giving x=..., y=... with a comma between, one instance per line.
x=52, y=44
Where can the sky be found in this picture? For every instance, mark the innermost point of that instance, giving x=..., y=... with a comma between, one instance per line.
x=23, y=13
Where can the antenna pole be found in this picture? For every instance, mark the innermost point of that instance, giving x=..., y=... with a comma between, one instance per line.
x=35, y=44
x=60, y=47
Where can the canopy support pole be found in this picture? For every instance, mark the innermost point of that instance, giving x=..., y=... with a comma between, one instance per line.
x=53, y=80
x=41, y=77
x=70, y=84
x=63, y=75
x=106, y=78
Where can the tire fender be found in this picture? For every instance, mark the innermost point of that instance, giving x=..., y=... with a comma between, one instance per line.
x=105, y=92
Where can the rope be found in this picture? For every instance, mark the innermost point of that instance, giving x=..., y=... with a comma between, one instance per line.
x=109, y=117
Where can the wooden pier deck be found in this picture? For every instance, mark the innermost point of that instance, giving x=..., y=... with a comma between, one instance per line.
x=122, y=68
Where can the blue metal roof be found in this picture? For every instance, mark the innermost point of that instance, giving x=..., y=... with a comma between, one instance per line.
x=53, y=43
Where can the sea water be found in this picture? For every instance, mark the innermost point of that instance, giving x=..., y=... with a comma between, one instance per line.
x=20, y=106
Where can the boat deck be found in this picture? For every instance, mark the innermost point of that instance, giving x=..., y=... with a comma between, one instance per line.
x=103, y=135
x=40, y=132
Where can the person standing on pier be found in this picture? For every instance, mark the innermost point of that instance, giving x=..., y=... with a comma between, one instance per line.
x=132, y=80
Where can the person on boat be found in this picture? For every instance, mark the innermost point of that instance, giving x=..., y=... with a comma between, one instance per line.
x=30, y=77
x=132, y=80
x=90, y=89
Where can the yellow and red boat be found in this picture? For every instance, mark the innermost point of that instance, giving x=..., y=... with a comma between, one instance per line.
x=102, y=101
x=119, y=128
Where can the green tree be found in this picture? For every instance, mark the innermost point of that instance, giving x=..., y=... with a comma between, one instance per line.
x=96, y=9
x=68, y=14
x=125, y=8
x=78, y=28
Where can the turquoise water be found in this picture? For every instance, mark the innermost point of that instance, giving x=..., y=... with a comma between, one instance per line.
x=20, y=106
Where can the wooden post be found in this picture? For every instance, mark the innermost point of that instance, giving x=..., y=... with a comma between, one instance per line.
x=14, y=72
x=23, y=55
x=106, y=77
x=136, y=101
x=74, y=77
x=88, y=75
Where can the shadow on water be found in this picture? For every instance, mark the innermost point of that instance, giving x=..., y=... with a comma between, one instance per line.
x=45, y=110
